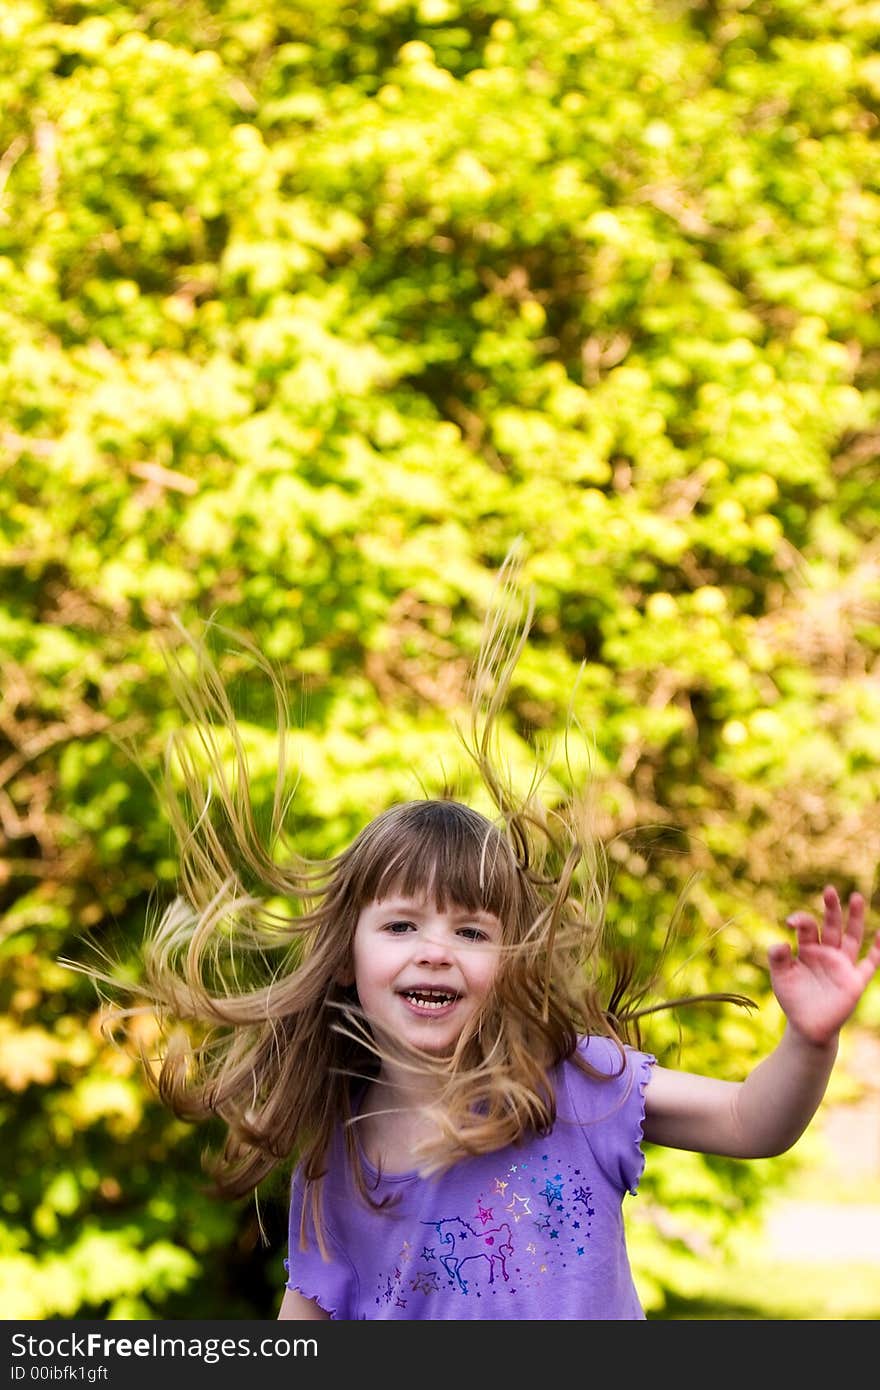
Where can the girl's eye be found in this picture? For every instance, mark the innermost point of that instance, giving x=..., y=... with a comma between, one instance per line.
x=473, y=934
x=398, y=928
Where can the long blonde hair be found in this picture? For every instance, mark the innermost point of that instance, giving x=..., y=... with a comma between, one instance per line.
x=258, y=1029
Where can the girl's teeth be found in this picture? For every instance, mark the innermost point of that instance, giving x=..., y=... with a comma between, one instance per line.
x=423, y=1003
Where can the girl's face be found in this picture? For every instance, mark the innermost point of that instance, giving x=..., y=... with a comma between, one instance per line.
x=422, y=974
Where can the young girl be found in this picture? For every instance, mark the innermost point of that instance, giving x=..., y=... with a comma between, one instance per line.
x=443, y=1047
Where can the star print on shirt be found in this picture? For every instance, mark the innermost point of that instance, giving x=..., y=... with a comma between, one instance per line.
x=425, y=1282
x=525, y=1209
x=500, y=1186
x=552, y=1191
x=484, y=1213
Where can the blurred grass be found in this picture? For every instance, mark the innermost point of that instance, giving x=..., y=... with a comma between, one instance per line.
x=755, y=1282
x=776, y=1290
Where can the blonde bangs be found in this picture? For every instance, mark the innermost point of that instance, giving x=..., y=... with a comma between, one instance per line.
x=443, y=852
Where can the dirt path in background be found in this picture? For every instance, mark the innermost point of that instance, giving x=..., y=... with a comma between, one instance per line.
x=812, y=1230
x=824, y=1231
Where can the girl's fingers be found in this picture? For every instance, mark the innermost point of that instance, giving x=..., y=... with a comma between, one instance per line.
x=855, y=925
x=833, y=932
x=806, y=927
x=870, y=962
x=832, y=924
x=780, y=954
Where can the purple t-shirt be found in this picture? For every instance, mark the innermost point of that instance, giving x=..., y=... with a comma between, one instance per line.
x=528, y=1232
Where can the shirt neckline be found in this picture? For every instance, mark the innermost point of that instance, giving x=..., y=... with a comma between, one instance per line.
x=380, y=1175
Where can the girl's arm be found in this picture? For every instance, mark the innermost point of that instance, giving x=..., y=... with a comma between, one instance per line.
x=765, y=1114
x=294, y=1307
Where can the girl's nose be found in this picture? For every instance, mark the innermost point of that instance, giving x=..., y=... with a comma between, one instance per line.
x=433, y=950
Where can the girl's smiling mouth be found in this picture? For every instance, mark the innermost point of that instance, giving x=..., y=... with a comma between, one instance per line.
x=429, y=999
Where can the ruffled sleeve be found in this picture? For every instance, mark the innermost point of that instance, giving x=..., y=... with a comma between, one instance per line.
x=331, y=1282
x=611, y=1112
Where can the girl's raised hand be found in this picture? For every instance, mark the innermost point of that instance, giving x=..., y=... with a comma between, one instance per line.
x=819, y=986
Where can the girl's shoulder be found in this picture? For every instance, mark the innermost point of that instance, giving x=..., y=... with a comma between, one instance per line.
x=602, y=1054
x=609, y=1058
x=601, y=1075
x=602, y=1093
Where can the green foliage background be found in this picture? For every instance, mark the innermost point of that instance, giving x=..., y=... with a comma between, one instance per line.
x=306, y=310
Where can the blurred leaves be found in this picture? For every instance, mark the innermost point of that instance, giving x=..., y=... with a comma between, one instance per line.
x=305, y=313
